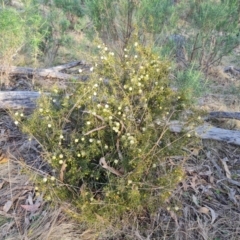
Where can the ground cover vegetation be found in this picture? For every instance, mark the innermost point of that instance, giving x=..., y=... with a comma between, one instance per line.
x=108, y=139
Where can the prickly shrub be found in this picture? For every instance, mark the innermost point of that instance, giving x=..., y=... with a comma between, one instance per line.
x=109, y=138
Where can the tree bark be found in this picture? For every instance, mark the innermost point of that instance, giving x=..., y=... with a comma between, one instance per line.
x=14, y=100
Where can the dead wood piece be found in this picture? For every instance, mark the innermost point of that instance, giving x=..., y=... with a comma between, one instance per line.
x=103, y=163
x=27, y=100
x=232, y=70
x=230, y=115
x=18, y=100
x=210, y=132
x=68, y=65
x=53, y=73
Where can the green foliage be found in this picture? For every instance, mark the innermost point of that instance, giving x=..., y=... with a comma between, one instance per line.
x=119, y=18
x=212, y=27
x=209, y=27
x=108, y=138
x=61, y=17
x=12, y=34
x=157, y=17
x=209, y=15
x=55, y=28
x=192, y=82
x=39, y=30
x=73, y=7
x=113, y=21
x=21, y=30
x=36, y=29
x=101, y=13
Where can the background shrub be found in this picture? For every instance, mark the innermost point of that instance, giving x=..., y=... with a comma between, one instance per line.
x=211, y=28
x=11, y=33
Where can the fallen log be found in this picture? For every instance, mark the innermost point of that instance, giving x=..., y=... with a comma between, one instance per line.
x=52, y=73
x=213, y=133
x=15, y=100
x=25, y=99
x=207, y=131
x=229, y=115
x=232, y=70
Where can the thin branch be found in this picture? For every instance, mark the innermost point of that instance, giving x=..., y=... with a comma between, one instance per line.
x=95, y=130
x=103, y=163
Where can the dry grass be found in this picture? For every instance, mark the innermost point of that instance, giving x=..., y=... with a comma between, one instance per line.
x=40, y=219
x=47, y=222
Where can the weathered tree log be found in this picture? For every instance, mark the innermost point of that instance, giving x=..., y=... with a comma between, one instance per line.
x=213, y=133
x=230, y=115
x=15, y=100
x=68, y=65
x=232, y=70
x=53, y=73
x=207, y=131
